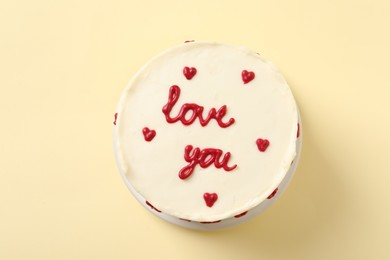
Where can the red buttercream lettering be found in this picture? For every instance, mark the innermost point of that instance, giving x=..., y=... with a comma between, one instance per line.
x=204, y=158
x=189, y=112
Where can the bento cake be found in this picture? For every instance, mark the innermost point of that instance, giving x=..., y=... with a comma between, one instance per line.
x=206, y=131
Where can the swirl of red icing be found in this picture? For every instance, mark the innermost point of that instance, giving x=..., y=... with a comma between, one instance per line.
x=197, y=111
x=204, y=158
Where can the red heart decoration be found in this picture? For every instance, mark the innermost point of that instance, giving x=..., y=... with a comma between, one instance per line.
x=247, y=76
x=241, y=215
x=210, y=222
x=152, y=207
x=273, y=194
x=210, y=198
x=262, y=144
x=189, y=73
x=148, y=134
x=298, y=131
x=116, y=116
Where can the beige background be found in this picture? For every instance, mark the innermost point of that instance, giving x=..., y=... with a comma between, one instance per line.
x=63, y=65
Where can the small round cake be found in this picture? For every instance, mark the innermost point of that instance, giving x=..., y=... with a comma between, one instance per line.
x=207, y=135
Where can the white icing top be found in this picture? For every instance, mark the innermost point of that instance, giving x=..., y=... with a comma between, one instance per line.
x=262, y=108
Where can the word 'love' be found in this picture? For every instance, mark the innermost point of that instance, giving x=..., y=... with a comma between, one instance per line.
x=196, y=110
x=204, y=158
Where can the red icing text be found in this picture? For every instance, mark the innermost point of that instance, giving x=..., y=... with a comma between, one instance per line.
x=194, y=110
x=204, y=158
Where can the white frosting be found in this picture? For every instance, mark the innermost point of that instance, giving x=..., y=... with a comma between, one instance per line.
x=263, y=108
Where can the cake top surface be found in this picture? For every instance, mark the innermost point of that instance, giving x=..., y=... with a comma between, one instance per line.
x=206, y=131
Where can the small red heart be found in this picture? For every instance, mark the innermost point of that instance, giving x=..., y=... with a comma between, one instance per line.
x=148, y=134
x=189, y=73
x=152, y=207
x=210, y=222
x=210, y=198
x=273, y=194
x=241, y=215
x=298, y=131
x=185, y=219
x=262, y=144
x=247, y=76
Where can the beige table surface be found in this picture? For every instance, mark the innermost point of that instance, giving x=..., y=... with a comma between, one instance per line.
x=64, y=65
